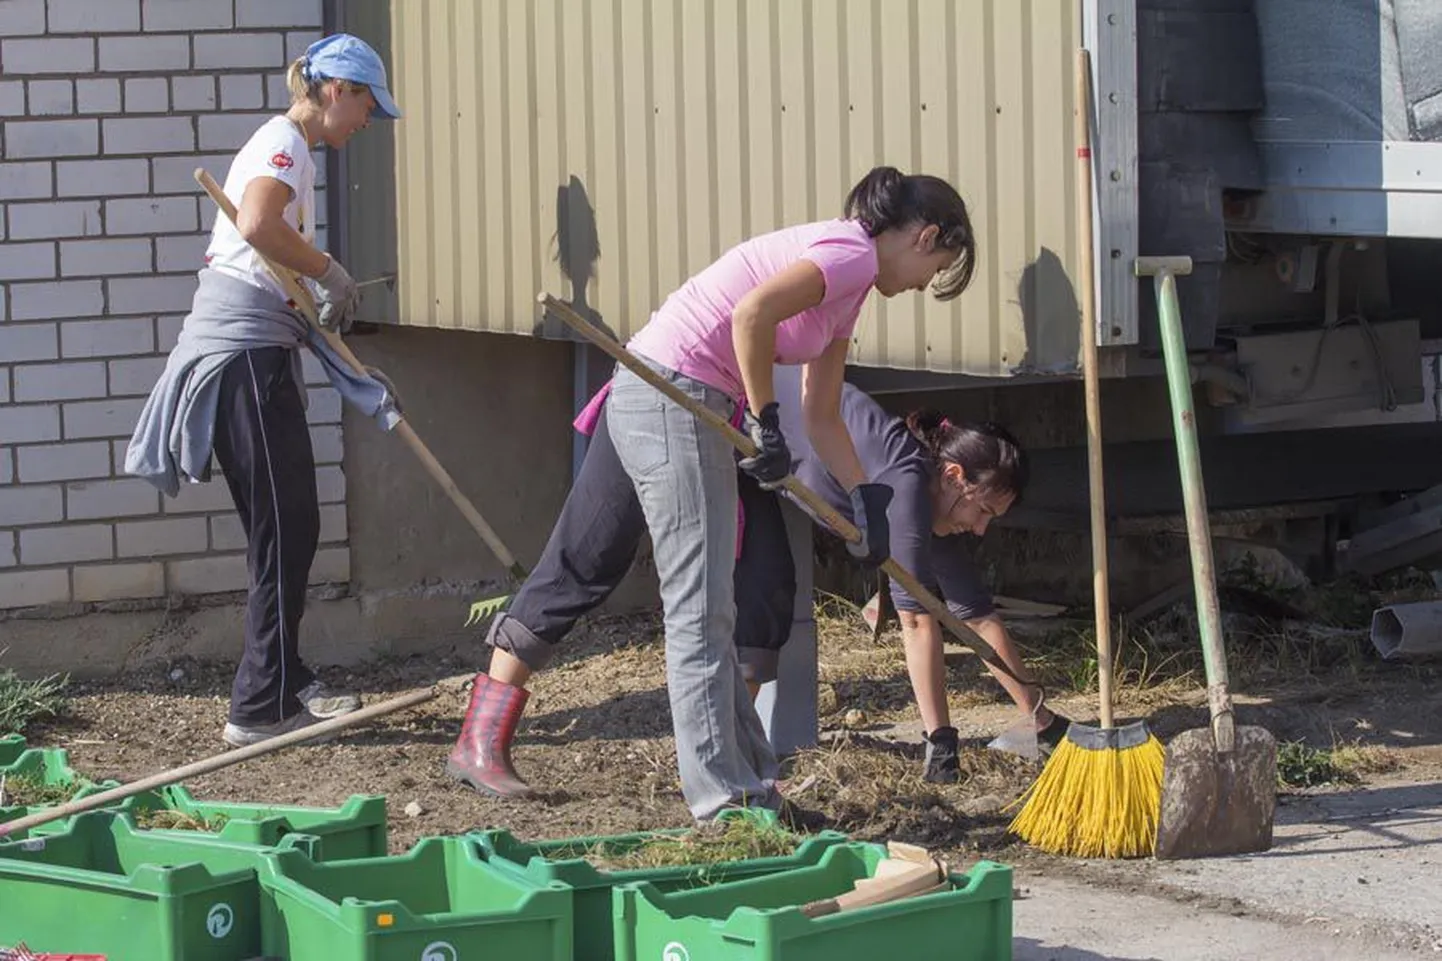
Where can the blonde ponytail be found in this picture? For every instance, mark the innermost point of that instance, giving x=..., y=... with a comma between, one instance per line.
x=302, y=88
x=295, y=81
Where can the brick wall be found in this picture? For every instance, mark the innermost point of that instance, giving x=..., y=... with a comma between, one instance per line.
x=106, y=108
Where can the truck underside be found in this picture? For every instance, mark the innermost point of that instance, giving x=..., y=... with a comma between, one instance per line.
x=1292, y=150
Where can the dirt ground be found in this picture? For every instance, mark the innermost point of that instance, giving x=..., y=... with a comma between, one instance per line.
x=596, y=741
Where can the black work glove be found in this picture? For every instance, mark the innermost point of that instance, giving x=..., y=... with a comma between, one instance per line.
x=868, y=507
x=942, y=764
x=1053, y=734
x=773, y=458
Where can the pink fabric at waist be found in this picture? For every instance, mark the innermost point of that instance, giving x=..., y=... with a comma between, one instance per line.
x=590, y=415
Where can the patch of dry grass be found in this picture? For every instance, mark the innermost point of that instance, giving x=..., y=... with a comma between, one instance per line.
x=1144, y=665
x=167, y=820
x=718, y=842
x=1162, y=662
x=846, y=649
x=23, y=790
x=1362, y=760
x=871, y=788
x=22, y=701
x=1345, y=763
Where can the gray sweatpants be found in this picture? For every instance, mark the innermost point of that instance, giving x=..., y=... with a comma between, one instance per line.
x=685, y=477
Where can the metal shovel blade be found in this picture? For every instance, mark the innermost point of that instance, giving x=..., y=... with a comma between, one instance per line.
x=1217, y=804
x=1019, y=739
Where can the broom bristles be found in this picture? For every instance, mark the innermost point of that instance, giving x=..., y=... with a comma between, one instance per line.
x=1094, y=803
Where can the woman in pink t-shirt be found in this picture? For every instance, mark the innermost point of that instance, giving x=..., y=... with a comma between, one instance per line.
x=789, y=297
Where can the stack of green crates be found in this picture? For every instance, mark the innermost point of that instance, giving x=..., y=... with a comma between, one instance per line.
x=103, y=887
x=440, y=901
x=750, y=910
x=760, y=919
x=356, y=829
x=71, y=887
x=305, y=883
x=563, y=861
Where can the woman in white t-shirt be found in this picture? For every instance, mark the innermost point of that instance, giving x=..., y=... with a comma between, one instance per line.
x=232, y=385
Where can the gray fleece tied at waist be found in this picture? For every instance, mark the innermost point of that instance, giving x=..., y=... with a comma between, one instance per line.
x=177, y=426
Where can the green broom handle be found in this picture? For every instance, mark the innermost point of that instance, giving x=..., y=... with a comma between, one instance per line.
x=1189, y=460
x=813, y=502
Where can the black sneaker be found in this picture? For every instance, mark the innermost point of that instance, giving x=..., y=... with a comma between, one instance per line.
x=942, y=764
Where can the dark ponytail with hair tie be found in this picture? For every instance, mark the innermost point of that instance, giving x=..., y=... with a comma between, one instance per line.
x=887, y=199
x=988, y=453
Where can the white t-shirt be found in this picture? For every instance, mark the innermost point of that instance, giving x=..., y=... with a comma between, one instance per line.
x=275, y=150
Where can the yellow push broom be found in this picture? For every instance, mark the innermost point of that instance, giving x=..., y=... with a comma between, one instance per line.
x=1100, y=792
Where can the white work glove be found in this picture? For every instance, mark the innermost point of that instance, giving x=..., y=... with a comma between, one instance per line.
x=339, y=297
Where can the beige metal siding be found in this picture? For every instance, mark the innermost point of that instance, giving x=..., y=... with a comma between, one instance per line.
x=687, y=125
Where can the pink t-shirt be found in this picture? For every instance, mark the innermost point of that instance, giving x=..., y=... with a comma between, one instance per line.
x=691, y=333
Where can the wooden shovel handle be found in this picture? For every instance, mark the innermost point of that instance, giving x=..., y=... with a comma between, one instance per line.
x=306, y=305
x=813, y=502
x=216, y=762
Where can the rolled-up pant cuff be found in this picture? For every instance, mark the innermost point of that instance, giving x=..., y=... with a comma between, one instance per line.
x=517, y=640
x=758, y=665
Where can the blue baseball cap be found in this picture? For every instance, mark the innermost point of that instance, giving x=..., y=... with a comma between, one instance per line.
x=341, y=56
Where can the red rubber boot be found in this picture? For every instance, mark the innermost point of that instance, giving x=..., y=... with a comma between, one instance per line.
x=481, y=759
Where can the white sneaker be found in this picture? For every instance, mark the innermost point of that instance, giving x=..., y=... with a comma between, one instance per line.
x=325, y=703
x=238, y=736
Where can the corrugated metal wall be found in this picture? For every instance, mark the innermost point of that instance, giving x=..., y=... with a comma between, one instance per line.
x=631, y=141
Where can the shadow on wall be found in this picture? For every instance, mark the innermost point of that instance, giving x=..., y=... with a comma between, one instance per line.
x=1051, y=316
x=577, y=249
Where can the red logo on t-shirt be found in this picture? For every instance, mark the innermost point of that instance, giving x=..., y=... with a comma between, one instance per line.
x=281, y=160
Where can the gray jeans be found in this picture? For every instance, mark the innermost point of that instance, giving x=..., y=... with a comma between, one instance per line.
x=685, y=477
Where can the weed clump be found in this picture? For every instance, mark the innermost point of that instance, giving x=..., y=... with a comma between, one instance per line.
x=735, y=839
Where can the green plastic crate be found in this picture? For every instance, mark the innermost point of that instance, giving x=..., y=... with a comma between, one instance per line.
x=759, y=919
x=356, y=829
x=439, y=901
x=11, y=746
x=103, y=887
x=51, y=767
x=546, y=861
x=51, y=763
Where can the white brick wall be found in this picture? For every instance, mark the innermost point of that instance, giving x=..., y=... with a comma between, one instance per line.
x=12, y=98
x=101, y=178
x=106, y=109
x=51, y=98
x=21, y=181
x=83, y=16
x=51, y=138
x=56, y=462
x=100, y=95
x=76, y=218
x=114, y=582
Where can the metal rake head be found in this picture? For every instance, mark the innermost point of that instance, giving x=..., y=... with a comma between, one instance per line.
x=488, y=607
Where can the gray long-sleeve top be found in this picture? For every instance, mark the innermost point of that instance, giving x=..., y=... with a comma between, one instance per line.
x=176, y=430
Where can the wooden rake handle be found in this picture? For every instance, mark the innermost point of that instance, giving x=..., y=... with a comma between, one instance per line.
x=813, y=502
x=306, y=304
x=218, y=761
